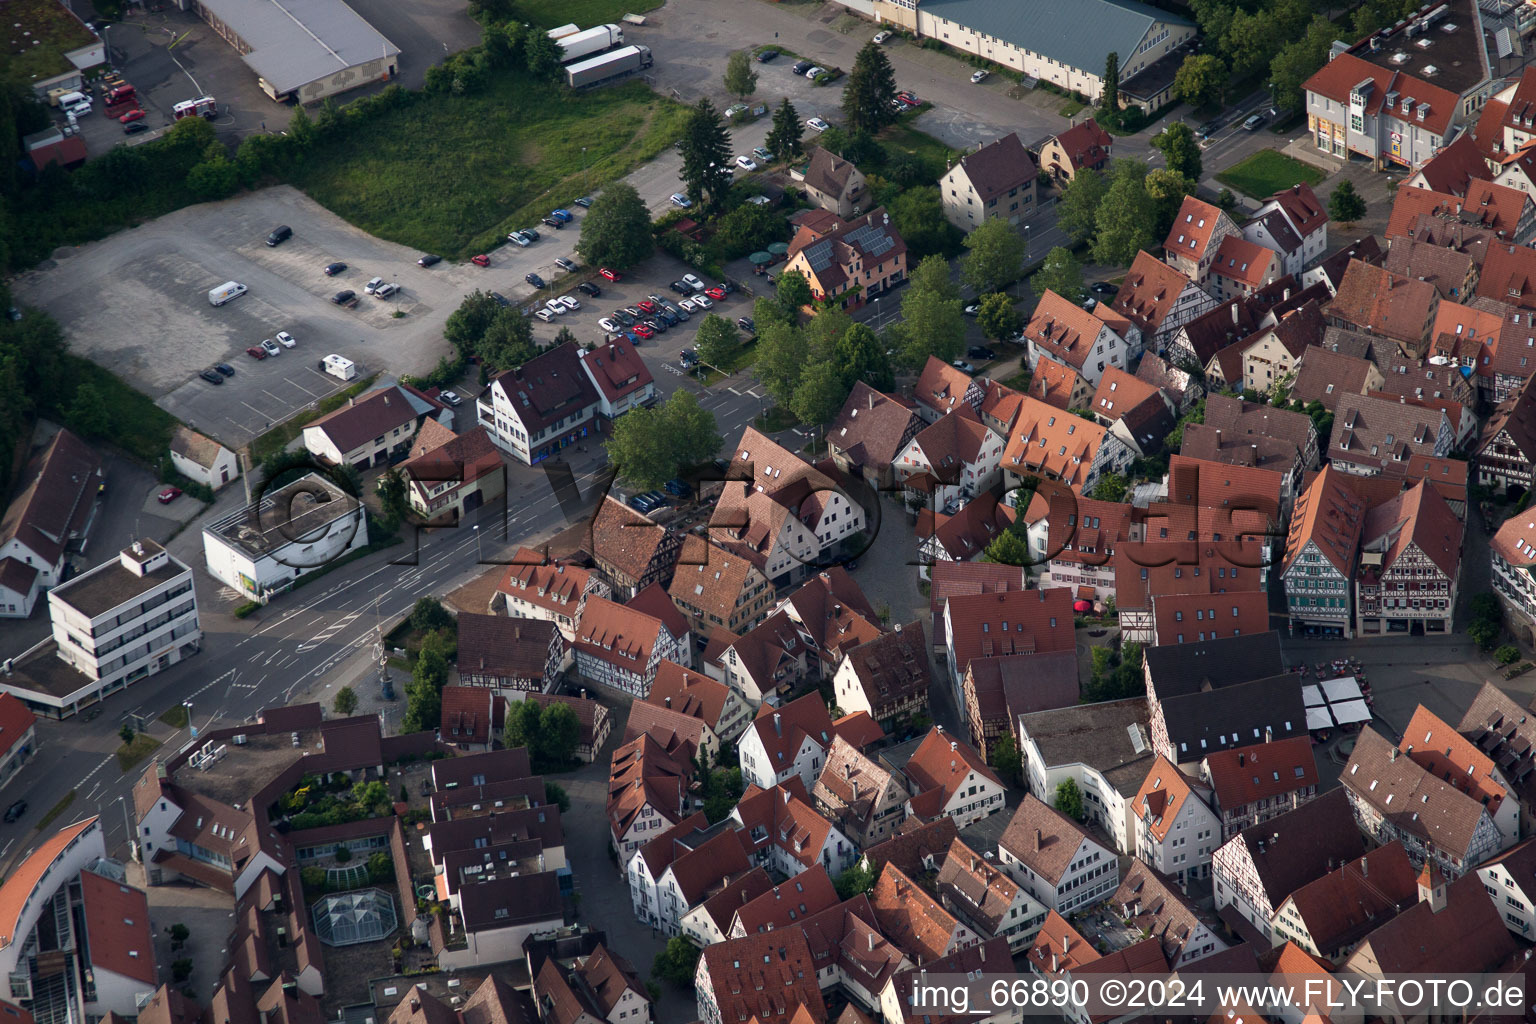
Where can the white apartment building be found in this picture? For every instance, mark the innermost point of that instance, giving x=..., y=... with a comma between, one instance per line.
x=293, y=531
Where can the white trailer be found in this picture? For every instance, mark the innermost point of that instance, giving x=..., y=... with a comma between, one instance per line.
x=340, y=366
x=563, y=31
x=590, y=42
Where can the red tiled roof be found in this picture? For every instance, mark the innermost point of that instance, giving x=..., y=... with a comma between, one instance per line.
x=947, y=579
x=617, y=368
x=468, y=714
x=1373, y=298
x=15, y=719
x=1444, y=752
x=1192, y=230
x=689, y=692
x=768, y=976
x=1085, y=144
x=117, y=926
x=944, y=763
x=1119, y=393
x=941, y=387
x=1149, y=292
x=809, y=892
x=1340, y=75
x=18, y=889
x=911, y=918
x=1343, y=905
x=617, y=633
x=1243, y=775
x=1162, y=795
x=1043, y=838
x=1036, y=621
x=1209, y=616
x=1302, y=207
x=782, y=730
x=1509, y=275
x=1053, y=383
x=363, y=419
x=556, y=586
x=1247, y=263
x=1063, y=330
x=1457, y=167
x=1411, y=203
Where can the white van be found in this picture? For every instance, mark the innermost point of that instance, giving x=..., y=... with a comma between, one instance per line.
x=340, y=366
x=69, y=99
x=384, y=291
x=226, y=291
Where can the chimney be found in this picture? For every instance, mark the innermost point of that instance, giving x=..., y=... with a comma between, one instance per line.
x=855, y=789
x=669, y=702
x=871, y=399
x=351, y=401
x=1285, y=295
x=982, y=952
x=1066, y=944
x=1234, y=313
x=1393, y=755
x=778, y=724
x=1038, y=838
x=1365, y=867
x=1055, y=966
x=871, y=942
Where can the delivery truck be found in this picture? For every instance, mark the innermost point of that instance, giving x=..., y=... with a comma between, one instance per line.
x=608, y=67
x=591, y=42
x=563, y=31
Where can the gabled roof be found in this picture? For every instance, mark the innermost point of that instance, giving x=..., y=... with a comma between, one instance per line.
x=1263, y=771
x=911, y=918
x=468, y=713
x=831, y=256
x=948, y=578
x=363, y=419
x=998, y=167
x=1325, y=376
x=117, y=925
x=892, y=667
x=1085, y=144
x=549, y=387
x=554, y=585
x=1372, y=430
x=1149, y=292
x=1053, y=383
x=1417, y=516
x=1302, y=208
x=1241, y=422
x=1008, y=687
x=975, y=885
x=950, y=443
x=1016, y=622
x=1375, y=299
x=617, y=633
x=711, y=580
x=1406, y=794
x=1156, y=907
x=689, y=692
x=787, y=903
x=1043, y=838
x=941, y=387
x=1164, y=376
x=1063, y=330
x=767, y=976
x=967, y=533
x=1342, y=906
x=1456, y=168
x=667, y=726
x=872, y=426
x=53, y=497
x=942, y=765
x=617, y=368
x=1467, y=934
x=1291, y=849
x=200, y=448
x=625, y=539
x=1445, y=268
x=827, y=172
x=1445, y=753
x=1193, y=228
x=1412, y=203
x=502, y=646
x=917, y=845
x=783, y=730
x=15, y=719
x=1163, y=794
x=1119, y=392
x=1344, y=73
x=1247, y=263
x=1509, y=275
x=1054, y=443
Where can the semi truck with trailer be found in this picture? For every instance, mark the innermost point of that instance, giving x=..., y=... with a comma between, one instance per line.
x=563, y=31
x=590, y=43
x=608, y=66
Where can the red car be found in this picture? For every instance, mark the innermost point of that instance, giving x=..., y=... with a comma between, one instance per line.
x=647, y=305
x=908, y=98
x=717, y=293
x=480, y=261
x=256, y=352
x=644, y=330
x=169, y=495
x=132, y=115
x=612, y=275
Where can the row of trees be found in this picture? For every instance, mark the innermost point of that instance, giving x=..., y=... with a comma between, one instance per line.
x=651, y=446
x=1126, y=209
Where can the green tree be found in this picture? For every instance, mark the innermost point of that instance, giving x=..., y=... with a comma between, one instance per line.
x=1008, y=548
x=1180, y=148
x=649, y=446
x=932, y=274
x=467, y=325
x=1166, y=189
x=820, y=394
x=793, y=291
x=428, y=615
x=856, y=879
x=870, y=92
x=706, y=156
x=391, y=490
x=616, y=231
x=825, y=330
x=558, y=736
x=1200, y=80
x=1111, y=487
x=1060, y=273
x=784, y=138
x=1250, y=42
x=748, y=228
x=676, y=962
x=214, y=179
x=1005, y=758
x=508, y=341
x=932, y=325
x=181, y=969
x=740, y=79
x=521, y=728
x=125, y=731
x=542, y=55
x=1109, y=101
x=346, y=701
x=860, y=355
x=87, y=413
x=1345, y=205
x=782, y=352
x=1298, y=61
x=995, y=258
x=301, y=130
x=1126, y=217
x=997, y=317
x=1078, y=207
x=1069, y=799
x=555, y=794
x=717, y=341
x=918, y=213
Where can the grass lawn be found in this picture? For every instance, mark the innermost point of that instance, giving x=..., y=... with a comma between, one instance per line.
x=56, y=810
x=453, y=174
x=130, y=754
x=54, y=32
x=1267, y=172
x=902, y=137
x=741, y=359
x=140, y=426
x=551, y=13
x=175, y=716
x=276, y=439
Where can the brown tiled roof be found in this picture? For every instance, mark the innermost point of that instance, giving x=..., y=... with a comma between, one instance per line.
x=664, y=724
x=1330, y=512
x=1149, y=292
x=1371, y=430
x=1339, y=76
x=767, y=976
x=1504, y=731
x=54, y=496
x=643, y=771
x=503, y=646
x=941, y=387
x=872, y=427
x=1235, y=614
x=1291, y=849
x=851, y=784
x=1243, y=775
x=710, y=580
x=1055, y=443
x=1157, y=908
x=782, y=730
x=1319, y=368
x=689, y=692
x=914, y=846
x=1162, y=795
x=1456, y=167
x=999, y=166
x=556, y=586
x=660, y=851
x=617, y=633
x=735, y=894
x=791, y=901
x=363, y=419
x=1445, y=268
x=1419, y=516
x=549, y=387
x=1227, y=324
x=1037, y=621
x=947, y=579
x=1085, y=144
x=868, y=238
x=1193, y=228
x=117, y=925
x=617, y=368
x=941, y=764
x=468, y=713
x=1404, y=792
x=1344, y=905
x=1043, y=838
x=1053, y=383
x=1008, y=687
x=827, y=172
x=976, y=887
x=911, y=918
x=1372, y=298
x=1119, y=392
x=625, y=539
x=967, y=533
x=1509, y=275
x=1059, y=947
x=1445, y=753
x=1412, y=203
x=700, y=871
x=1467, y=934
x=1164, y=376
x=199, y=448
x=1063, y=330
x=1302, y=207
x=893, y=666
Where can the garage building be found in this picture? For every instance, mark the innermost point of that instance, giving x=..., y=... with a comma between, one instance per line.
x=302, y=50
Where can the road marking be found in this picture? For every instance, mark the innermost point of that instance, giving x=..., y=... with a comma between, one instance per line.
x=301, y=387
x=255, y=410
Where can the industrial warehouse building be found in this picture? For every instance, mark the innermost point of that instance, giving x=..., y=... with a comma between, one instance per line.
x=303, y=50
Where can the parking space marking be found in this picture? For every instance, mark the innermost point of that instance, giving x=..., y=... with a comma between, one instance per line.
x=301, y=387
x=255, y=410
x=274, y=398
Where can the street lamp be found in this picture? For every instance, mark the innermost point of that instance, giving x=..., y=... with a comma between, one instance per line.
x=478, y=557
x=191, y=725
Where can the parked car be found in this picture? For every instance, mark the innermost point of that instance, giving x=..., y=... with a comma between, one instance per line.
x=624, y=317
x=168, y=495
x=646, y=305
x=717, y=293
x=225, y=369
x=583, y=202
x=211, y=376
x=693, y=282
x=132, y=116
x=564, y=216
x=746, y=163
x=767, y=55
x=759, y=200
x=963, y=366
x=429, y=260
x=286, y=340
x=271, y=347
x=678, y=487
x=481, y=260
x=552, y=222
x=746, y=324
x=373, y=285
x=589, y=288
x=500, y=299
x=761, y=154
x=909, y=98
x=735, y=110
x=135, y=128
x=688, y=358
x=801, y=67
x=677, y=310
x=980, y=352
x=612, y=275
x=256, y=352
x=569, y=302
x=14, y=812
x=816, y=124
x=1208, y=129
x=881, y=37
x=345, y=298
x=452, y=398
x=534, y=279
x=519, y=239
x=667, y=316
x=681, y=287
x=609, y=324
x=332, y=269
x=688, y=306
x=555, y=306
x=980, y=76
x=279, y=235
x=703, y=301
x=972, y=309
x=681, y=201
x=566, y=264
x=1104, y=288
x=1254, y=122
x=546, y=314
x=817, y=70
x=657, y=324
x=644, y=330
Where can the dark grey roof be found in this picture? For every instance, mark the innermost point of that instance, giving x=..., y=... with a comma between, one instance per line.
x=871, y=239
x=1303, y=845
x=1237, y=715
x=1079, y=34
x=1179, y=669
x=1111, y=736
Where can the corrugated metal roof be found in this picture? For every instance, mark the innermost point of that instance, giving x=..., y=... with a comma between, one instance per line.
x=295, y=42
x=1060, y=28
